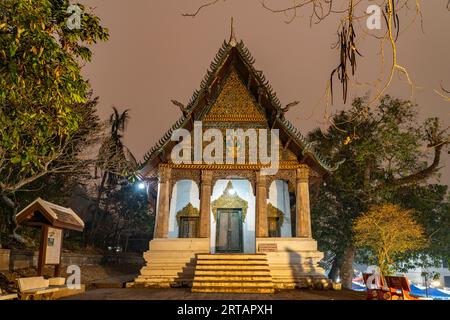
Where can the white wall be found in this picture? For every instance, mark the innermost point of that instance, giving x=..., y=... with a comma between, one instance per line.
x=244, y=190
x=279, y=198
x=184, y=191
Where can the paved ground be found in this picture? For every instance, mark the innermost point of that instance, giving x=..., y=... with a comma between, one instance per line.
x=186, y=294
x=113, y=282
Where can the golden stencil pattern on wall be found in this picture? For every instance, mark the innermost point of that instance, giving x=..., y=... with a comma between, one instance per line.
x=188, y=211
x=274, y=212
x=234, y=103
x=229, y=201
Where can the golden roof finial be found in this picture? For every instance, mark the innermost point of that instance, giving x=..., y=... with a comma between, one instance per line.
x=232, y=40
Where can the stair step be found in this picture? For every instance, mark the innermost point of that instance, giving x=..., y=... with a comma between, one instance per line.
x=233, y=290
x=232, y=267
x=257, y=256
x=238, y=284
x=237, y=273
x=227, y=272
x=233, y=261
x=266, y=277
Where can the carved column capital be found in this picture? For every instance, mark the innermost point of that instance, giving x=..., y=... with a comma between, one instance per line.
x=303, y=174
x=206, y=177
x=261, y=180
x=164, y=174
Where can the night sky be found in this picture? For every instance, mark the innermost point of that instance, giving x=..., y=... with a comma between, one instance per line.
x=155, y=54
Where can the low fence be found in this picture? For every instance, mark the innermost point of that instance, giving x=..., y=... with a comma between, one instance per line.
x=21, y=259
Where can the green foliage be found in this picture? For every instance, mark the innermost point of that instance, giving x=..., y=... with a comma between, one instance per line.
x=124, y=215
x=385, y=149
x=40, y=84
x=388, y=230
x=115, y=163
x=432, y=206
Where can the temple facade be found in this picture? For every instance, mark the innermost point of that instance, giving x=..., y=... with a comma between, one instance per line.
x=230, y=226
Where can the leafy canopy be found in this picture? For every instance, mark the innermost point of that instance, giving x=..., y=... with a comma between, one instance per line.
x=388, y=230
x=387, y=151
x=40, y=82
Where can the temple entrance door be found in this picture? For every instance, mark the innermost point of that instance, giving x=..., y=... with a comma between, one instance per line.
x=229, y=238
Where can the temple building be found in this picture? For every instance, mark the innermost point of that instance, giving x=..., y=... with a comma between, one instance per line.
x=231, y=227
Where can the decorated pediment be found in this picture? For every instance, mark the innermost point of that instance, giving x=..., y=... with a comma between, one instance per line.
x=234, y=103
x=229, y=200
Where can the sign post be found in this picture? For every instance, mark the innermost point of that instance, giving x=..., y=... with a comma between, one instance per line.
x=52, y=219
x=50, y=249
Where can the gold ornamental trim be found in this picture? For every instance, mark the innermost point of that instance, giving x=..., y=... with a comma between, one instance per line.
x=188, y=211
x=234, y=103
x=234, y=118
x=282, y=166
x=229, y=200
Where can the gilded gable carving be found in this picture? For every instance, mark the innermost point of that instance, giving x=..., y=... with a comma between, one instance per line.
x=234, y=103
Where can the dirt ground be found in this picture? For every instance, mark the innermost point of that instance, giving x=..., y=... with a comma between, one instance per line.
x=104, y=282
x=89, y=274
x=186, y=294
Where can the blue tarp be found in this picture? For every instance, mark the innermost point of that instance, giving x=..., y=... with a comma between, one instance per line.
x=358, y=287
x=415, y=291
x=432, y=292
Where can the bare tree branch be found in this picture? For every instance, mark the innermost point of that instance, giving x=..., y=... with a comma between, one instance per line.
x=194, y=14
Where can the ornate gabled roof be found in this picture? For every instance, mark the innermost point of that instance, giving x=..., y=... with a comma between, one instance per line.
x=44, y=212
x=202, y=100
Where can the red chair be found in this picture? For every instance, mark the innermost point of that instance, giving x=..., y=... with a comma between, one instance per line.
x=383, y=292
x=390, y=288
x=401, y=287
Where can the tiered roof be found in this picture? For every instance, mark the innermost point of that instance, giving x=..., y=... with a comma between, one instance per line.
x=235, y=55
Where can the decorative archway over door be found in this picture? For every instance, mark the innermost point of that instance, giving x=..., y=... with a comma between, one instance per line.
x=229, y=200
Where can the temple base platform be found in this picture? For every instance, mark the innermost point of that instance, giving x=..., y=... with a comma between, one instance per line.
x=279, y=263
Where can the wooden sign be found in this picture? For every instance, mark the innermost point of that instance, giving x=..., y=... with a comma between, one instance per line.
x=267, y=247
x=53, y=249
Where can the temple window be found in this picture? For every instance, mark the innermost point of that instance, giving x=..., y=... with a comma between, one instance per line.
x=188, y=222
x=188, y=227
x=274, y=227
x=275, y=219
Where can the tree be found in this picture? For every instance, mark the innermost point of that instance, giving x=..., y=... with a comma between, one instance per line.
x=128, y=216
x=432, y=207
x=114, y=161
x=388, y=230
x=385, y=149
x=60, y=186
x=41, y=91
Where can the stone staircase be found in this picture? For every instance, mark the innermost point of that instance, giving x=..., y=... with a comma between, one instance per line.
x=170, y=263
x=236, y=273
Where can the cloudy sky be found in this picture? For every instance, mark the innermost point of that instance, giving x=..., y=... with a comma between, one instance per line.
x=155, y=54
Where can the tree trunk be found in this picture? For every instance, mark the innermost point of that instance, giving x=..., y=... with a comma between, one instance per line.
x=12, y=228
x=334, y=271
x=346, y=267
x=126, y=243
